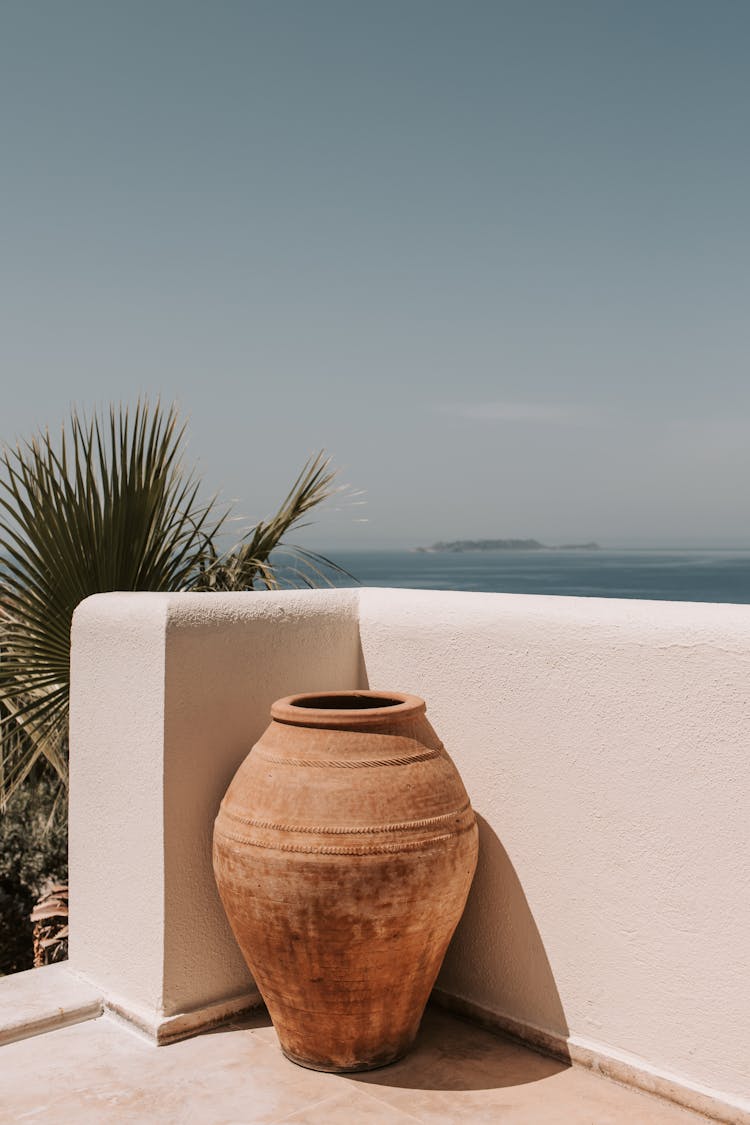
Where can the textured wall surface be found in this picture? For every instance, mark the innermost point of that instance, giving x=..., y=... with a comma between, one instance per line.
x=116, y=822
x=604, y=744
x=225, y=667
x=169, y=692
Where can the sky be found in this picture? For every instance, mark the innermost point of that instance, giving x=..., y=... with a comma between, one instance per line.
x=494, y=257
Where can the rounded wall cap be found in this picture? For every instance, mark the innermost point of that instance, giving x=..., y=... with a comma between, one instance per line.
x=345, y=708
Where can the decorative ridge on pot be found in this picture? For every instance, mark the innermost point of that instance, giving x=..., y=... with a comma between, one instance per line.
x=344, y=850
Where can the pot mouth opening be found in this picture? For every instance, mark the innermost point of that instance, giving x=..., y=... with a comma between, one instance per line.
x=340, y=708
x=355, y=702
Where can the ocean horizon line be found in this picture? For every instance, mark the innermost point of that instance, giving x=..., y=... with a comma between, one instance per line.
x=602, y=547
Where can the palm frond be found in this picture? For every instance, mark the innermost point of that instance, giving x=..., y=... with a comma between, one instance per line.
x=249, y=564
x=105, y=507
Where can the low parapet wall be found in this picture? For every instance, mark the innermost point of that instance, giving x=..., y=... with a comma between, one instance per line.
x=604, y=744
x=606, y=747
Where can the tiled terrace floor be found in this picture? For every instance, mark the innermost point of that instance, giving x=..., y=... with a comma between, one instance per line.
x=99, y=1072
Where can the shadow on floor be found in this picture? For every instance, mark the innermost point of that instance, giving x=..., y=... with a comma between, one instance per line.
x=449, y=1054
x=453, y=1054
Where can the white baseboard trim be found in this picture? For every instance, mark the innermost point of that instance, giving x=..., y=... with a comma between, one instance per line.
x=161, y=1029
x=619, y=1067
x=40, y=1000
x=46, y=999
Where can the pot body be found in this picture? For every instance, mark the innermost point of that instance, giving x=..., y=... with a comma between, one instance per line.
x=344, y=850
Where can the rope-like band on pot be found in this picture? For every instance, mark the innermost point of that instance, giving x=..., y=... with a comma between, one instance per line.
x=343, y=764
x=347, y=830
x=375, y=849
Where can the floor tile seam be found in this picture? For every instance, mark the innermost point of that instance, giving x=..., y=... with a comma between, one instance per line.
x=357, y=1091
x=366, y=1092
x=441, y=1103
x=310, y=1105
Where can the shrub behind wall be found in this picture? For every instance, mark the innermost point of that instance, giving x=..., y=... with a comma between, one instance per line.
x=33, y=853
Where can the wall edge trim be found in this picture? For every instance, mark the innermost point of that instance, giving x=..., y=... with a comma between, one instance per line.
x=712, y=1104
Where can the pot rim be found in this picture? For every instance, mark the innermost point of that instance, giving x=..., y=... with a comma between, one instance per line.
x=300, y=709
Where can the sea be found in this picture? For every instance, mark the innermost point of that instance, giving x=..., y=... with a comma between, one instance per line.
x=661, y=575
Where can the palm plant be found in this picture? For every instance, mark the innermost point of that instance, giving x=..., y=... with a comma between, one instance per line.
x=109, y=507
x=250, y=562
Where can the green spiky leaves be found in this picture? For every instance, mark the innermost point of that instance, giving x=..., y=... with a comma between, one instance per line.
x=108, y=506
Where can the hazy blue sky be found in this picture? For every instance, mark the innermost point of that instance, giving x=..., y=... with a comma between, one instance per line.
x=494, y=256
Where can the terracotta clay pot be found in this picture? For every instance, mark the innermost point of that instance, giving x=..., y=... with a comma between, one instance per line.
x=344, y=850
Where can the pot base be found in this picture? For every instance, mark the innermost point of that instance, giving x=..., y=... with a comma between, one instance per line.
x=357, y=1068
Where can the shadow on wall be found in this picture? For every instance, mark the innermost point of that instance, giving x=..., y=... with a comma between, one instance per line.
x=362, y=677
x=497, y=960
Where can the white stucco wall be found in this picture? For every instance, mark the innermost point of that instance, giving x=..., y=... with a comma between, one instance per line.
x=115, y=825
x=169, y=692
x=606, y=746
x=226, y=664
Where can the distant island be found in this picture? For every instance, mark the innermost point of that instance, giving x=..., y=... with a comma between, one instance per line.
x=458, y=545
